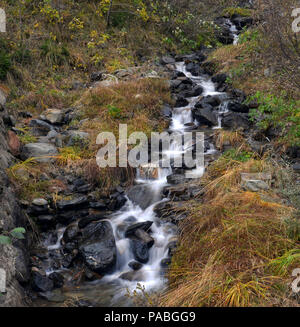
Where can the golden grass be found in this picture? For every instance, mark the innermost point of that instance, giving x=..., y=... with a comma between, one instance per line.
x=234, y=249
x=223, y=137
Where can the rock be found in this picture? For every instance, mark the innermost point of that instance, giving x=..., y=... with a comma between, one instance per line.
x=194, y=68
x=67, y=217
x=165, y=263
x=194, y=92
x=46, y=222
x=40, y=283
x=96, y=76
x=175, y=179
x=235, y=121
x=142, y=195
x=40, y=127
x=133, y=276
x=205, y=116
x=140, y=250
x=181, y=102
x=256, y=185
x=296, y=167
x=77, y=138
x=143, y=236
x=22, y=266
x=42, y=152
x=238, y=107
x=219, y=79
x=13, y=143
x=55, y=296
x=77, y=202
x=99, y=248
x=166, y=60
x=58, y=279
x=166, y=111
x=89, y=219
x=53, y=116
x=71, y=233
x=172, y=245
x=225, y=36
x=169, y=211
x=134, y=265
x=100, y=205
x=213, y=101
x=9, y=120
x=241, y=22
x=40, y=202
x=145, y=226
x=118, y=201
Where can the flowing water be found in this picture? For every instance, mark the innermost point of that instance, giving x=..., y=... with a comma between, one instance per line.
x=111, y=289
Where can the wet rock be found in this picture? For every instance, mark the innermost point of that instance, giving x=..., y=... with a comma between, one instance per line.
x=89, y=219
x=133, y=276
x=53, y=116
x=142, y=195
x=165, y=263
x=46, y=222
x=166, y=60
x=100, y=205
x=143, y=236
x=140, y=250
x=194, y=92
x=145, y=226
x=68, y=261
x=40, y=127
x=194, y=68
x=235, y=121
x=172, y=245
x=134, y=265
x=175, y=179
x=78, y=202
x=205, y=116
x=177, y=74
x=130, y=219
x=58, y=279
x=71, y=233
x=181, y=102
x=99, y=248
x=40, y=283
x=238, y=107
x=241, y=22
x=118, y=201
x=55, y=296
x=42, y=152
x=67, y=217
x=256, y=185
x=166, y=111
x=219, y=79
x=213, y=101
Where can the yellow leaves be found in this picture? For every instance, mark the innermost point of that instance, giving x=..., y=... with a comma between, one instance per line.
x=76, y=24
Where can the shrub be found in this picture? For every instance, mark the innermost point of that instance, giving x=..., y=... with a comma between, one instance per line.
x=278, y=111
x=5, y=64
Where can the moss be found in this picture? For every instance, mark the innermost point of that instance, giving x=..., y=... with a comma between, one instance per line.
x=230, y=11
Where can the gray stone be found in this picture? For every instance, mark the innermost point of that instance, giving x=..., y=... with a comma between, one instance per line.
x=42, y=152
x=40, y=202
x=53, y=116
x=75, y=137
x=99, y=250
x=256, y=185
x=40, y=127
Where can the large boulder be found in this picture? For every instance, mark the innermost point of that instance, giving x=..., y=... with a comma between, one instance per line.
x=205, y=116
x=238, y=107
x=235, y=120
x=42, y=152
x=140, y=250
x=142, y=195
x=99, y=250
x=40, y=283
